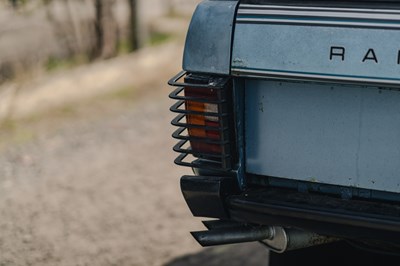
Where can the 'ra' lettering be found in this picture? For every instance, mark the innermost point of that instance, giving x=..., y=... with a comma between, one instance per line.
x=338, y=53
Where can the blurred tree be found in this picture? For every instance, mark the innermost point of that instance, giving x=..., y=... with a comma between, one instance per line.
x=106, y=30
x=75, y=26
x=16, y=3
x=61, y=30
x=133, y=26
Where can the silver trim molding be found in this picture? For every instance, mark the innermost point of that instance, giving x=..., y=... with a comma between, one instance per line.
x=322, y=16
x=321, y=78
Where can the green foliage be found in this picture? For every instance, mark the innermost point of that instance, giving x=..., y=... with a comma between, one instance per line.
x=125, y=93
x=123, y=46
x=17, y=3
x=55, y=63
x=19, y=134
x=157, y=38
x=7, y=124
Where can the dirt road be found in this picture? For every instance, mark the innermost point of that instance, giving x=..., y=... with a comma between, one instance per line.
x=96, y=186
x=89, y=180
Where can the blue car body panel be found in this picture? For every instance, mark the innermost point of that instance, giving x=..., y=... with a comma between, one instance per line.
x=318, y=103
x=330, y=134
x=209, y=39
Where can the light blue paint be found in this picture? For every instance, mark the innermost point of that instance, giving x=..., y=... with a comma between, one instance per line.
x=306, y=49
x=337, y=135
x=209, y=38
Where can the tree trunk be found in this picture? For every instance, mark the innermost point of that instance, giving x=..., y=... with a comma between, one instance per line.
x=76, y=27
x=133, y=26
x=60, y=31
x=106, y=29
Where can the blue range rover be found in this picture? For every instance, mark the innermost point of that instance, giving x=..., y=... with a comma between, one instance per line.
x=288, y=112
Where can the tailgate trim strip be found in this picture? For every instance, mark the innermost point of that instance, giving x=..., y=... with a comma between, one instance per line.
x=303, y=76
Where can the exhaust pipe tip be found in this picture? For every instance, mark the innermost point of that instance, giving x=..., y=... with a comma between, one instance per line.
x=275, y=238
x=232, y=235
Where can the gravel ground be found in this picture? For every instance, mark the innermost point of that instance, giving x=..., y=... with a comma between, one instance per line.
x=89, y=180
x=97, y=186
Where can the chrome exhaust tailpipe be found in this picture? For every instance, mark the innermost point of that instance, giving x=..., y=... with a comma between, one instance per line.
x=275, y=238
x=222, y=236
x=286, y=239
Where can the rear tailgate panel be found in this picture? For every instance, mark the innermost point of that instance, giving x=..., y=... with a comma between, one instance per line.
x=316, y=113
x=330, y=134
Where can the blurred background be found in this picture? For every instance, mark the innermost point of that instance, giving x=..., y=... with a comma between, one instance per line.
x=86, y=164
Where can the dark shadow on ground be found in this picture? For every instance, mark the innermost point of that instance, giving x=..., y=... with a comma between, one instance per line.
x=252, y=254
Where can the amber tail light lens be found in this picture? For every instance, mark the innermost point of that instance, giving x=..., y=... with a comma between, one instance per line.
x=204, y=121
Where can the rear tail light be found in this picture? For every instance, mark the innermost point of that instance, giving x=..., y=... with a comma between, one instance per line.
x=205, y=131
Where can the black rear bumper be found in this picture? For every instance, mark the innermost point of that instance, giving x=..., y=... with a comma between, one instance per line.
x=322, y=214
x=217, y=197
